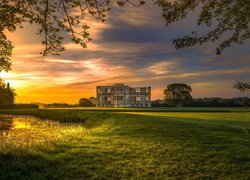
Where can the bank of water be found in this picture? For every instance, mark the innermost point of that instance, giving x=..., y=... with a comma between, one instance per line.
x=28, y=130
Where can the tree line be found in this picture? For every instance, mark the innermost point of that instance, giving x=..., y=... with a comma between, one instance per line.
x=228, y=20
x=83, y=102
x=207, y=102
x=7, y=99
x=176, y=94
x=179, y=94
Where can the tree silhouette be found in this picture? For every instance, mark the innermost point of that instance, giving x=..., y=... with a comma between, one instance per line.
x=230, y=17
x=54, y=18
x=177, y=94
x=84, y=102
x=93, y=100
x=7, y=94
x=242, y=86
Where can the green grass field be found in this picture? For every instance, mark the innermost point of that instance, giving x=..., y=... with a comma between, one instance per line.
x=157, y=143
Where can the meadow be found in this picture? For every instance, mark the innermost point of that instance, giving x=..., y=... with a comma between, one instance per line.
x=126, y=143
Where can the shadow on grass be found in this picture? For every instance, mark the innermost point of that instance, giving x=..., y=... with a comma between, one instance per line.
x=139, y=146
x=185, y=129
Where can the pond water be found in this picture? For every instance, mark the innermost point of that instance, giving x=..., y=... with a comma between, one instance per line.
x=27, y=130
x=8, y=122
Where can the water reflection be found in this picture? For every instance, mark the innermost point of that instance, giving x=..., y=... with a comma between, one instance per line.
x=25, y=122
x=25, y=130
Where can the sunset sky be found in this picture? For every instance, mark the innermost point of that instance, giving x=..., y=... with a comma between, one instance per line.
x=133, y=47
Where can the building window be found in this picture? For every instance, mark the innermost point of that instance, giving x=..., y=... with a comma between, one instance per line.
x=109, y=99
x=132, y=90
x=108, y=90
x=143, y=90
x=119, y=98
x=138, y=90
x=119, y=88
x=138, y=98
x=147, y=98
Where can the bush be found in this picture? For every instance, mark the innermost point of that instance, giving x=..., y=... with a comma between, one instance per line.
x=209, y=102
x=19, y=106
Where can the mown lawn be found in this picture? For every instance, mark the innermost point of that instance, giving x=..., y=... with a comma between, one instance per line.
x=129, y=145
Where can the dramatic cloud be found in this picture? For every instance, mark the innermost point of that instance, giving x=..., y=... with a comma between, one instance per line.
x=132, y=47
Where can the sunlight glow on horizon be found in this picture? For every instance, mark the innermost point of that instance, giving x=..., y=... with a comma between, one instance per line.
x=132, y=47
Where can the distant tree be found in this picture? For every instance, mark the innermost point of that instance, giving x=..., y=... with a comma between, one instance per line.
x=58, y=105
x=84, y=102
x=7, y=94
x=93, y=100
x=242, y=86
x=159, y=103
x=10, y=94
x=246, y=102
x=178, y=94
x=220, y=102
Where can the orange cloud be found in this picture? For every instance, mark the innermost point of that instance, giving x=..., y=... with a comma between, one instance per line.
x=130, y=59
x=163, y=67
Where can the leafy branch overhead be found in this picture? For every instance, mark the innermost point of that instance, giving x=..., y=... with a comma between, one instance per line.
x=242, y=86
x=55, y=17
x=230, y=18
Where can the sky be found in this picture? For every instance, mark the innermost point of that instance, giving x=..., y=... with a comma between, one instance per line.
x=133, y=47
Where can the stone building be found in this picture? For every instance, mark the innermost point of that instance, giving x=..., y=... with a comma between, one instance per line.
x=120, y=95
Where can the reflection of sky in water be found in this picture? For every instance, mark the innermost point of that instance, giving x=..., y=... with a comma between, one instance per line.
x=26, y=130
x=12, y=122
x=21, y=124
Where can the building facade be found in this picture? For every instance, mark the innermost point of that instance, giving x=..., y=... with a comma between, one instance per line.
x=120, y=95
